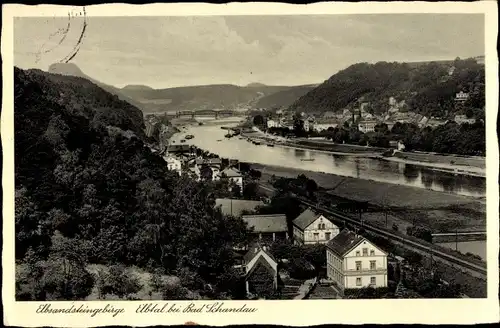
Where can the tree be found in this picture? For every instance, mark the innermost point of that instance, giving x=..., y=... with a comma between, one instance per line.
x=251, y=190
x=121, y=281
x=258, y=120
x=236, y=190
x=206, y=173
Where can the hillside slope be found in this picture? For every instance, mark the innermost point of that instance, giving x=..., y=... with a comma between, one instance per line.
x=284, y=98
x=89, y=191
x=70, y=69
x=426, y=88
x=217, y=96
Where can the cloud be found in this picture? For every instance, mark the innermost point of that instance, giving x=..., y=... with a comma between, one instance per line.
x=165, y=51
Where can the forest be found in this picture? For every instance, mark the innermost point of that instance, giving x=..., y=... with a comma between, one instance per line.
x=449, y=138
x=428, y=89
x=88, y=191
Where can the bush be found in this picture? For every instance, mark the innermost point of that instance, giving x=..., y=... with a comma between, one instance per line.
x=301, y=269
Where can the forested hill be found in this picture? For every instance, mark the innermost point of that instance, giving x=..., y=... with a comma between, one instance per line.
x=283, y=98
x=89, y=192
x=427, y=88
x=70, y=69
x=72, y=96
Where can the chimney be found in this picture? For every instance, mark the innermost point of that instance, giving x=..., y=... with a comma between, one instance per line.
x=256, y=250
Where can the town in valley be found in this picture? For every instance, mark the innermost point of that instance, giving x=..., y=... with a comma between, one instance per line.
x=201, y=177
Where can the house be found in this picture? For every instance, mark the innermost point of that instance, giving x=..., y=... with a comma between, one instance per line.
x=312, y=228
x=434, y=122
x=268, y=228
x=234, y=176
x=367, y=126
x=261, y=271
x=461, y=96
x=479, y=60
x=451, y=70
x=272, y=124
x=329, y=114
x=461, y=119
x=423, y=122
x=389, y=124
x=399, y=145
x=214, y=164
x=173, y=163
x=236, y=207
x=354, y=262
x=309, y=124
x=324, y=124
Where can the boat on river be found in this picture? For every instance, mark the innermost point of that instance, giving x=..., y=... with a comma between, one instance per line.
x=189, y=136
x=270, y=145
x=307, y=159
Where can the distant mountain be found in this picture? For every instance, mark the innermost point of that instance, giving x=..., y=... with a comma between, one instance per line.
x=256, y=85
x=216, y=96
x=71, y=69
x=428, y=88
x=136, y=87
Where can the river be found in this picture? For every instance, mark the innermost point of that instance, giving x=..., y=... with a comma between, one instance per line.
x=477, y=247
x=211, y=138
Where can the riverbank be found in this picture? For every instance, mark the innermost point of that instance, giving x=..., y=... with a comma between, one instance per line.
x=456, y=164
x=407, y=206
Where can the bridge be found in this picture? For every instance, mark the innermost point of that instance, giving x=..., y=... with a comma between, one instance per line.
x=205, y=113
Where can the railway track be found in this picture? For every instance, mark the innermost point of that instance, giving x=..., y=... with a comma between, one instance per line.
x=389, y=235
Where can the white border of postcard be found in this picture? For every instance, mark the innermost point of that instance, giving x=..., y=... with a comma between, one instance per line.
x=295, y=313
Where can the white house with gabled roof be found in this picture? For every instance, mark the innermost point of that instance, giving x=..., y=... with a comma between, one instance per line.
x=355, y=262
x=313, y=228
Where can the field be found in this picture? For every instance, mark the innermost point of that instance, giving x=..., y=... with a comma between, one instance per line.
x=439, y=211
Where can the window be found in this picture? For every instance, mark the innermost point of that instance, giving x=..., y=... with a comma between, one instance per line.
x=358, y=281
x=365, y=251
x=372, y=252
x=327, y=235
x=358, y=253
x=358, y=265
x=373, y=280
x=372, y=265
x=316, y=236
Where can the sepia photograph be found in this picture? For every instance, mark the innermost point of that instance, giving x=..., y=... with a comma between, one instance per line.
x=249, y=157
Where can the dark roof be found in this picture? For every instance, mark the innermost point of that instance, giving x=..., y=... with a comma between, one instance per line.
x=342, y=243
x=178, y=148
x=234, y=207
x=208, y=161
x=261, y=262
x=306, y=218
x=267, y=223
x=254, y=249
x=232, y=172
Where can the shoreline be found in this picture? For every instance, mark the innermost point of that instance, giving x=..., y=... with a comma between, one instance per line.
x=465, y=169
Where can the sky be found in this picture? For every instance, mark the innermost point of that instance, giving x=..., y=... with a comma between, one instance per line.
x=163, y=52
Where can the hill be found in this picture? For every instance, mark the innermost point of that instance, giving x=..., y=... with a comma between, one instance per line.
x=426, y=88
x=71, y=69
x=216, y=96
x=283, y=98
x=89, y=191
x=136, y=87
